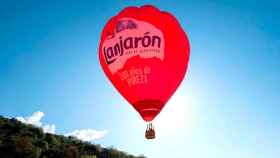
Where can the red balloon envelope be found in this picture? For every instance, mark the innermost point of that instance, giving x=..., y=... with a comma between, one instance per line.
x=145, y=54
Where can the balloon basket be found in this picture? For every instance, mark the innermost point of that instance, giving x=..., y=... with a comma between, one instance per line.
x=150, y=132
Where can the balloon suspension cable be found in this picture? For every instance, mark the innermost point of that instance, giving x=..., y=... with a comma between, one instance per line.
x=150, y=132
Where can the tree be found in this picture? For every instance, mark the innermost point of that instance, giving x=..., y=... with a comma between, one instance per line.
x=72, y=152
x=53, y=153
x=42, y=144
x=51, y=139
x=88, y=156
x=24, y=148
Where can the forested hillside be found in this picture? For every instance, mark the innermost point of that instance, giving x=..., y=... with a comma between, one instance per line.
x=18, y=140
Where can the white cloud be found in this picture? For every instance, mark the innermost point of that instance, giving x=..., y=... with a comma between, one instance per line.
x=88, y=134
x=21, y=119
x=35, y=119
x=49, y=128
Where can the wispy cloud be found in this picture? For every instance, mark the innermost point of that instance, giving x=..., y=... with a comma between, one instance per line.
x=35, y=119
x=82, y=134
x=88, y=134
x=49, y=128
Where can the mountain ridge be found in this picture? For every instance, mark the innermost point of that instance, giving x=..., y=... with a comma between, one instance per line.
x=19, y=140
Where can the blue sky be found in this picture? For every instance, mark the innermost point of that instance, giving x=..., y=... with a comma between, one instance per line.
x=227, y=106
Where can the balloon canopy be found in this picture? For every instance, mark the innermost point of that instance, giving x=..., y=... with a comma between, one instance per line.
x=145, y=53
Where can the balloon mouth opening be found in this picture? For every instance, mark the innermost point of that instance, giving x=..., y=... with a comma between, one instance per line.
x=148, y=109
x=149, y=114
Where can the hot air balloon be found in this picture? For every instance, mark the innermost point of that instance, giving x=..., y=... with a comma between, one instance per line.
x=144, y=52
